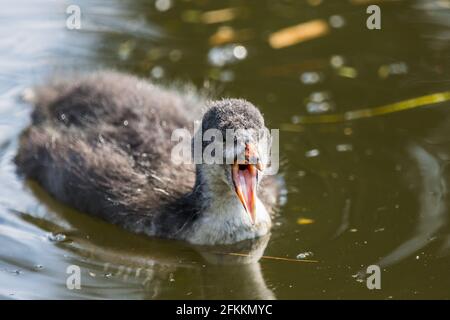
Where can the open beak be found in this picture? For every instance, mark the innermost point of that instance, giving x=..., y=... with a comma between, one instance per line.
x=245, y=179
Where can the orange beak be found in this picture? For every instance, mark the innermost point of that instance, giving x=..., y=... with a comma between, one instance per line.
x=245, y=177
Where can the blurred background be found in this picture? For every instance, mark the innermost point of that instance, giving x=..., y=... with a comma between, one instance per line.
x=370, y=190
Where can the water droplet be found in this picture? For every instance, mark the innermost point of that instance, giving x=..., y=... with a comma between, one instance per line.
x=337, y=21
x=163, y=5
x=125, y=50
x=397, y=68
x=240, y=52
x=318, y=107
x=157, y=72
x=310, y=77
x=175, y=55
x=344, y=147
x=319, y=102
x=226, y=76
x=301, y=173
x=221, y=56
x=304, y=255
x=312, y=153
x=337, y=61
x=58, y=237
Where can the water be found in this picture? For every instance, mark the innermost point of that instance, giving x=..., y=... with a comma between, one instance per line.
x=362, y=192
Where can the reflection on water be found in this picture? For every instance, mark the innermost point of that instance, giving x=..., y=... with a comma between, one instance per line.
x=358, y=192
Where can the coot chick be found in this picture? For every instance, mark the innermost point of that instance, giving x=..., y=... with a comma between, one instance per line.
x=101, y=143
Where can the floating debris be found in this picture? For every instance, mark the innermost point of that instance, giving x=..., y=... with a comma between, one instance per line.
x=312, y=153
x=218, y=16
x=267, y=257
x=397, y=68
x=223, y=35
x=347, y=72
x=227, y=34
x=299, y=33
x=304, y=221
x=377, y=111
